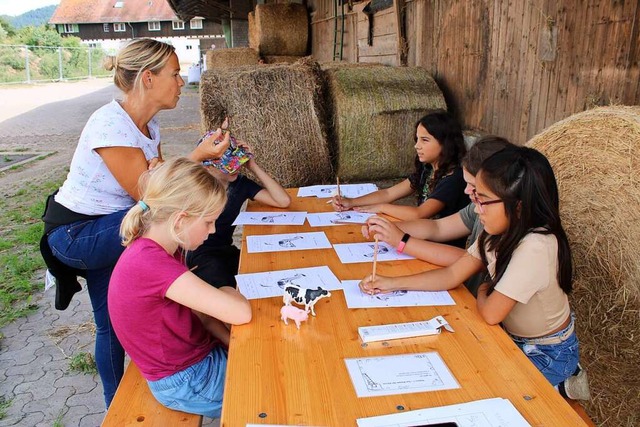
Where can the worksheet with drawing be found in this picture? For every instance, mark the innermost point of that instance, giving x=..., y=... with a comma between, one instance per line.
x=272, y=283
x=350, y=253
x=324, y=219
x=287, y=242
x=400, y=374
x=346, y=190
x=270, y=218
x=358, y=299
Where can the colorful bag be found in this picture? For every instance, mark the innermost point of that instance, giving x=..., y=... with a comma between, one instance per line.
x=232, y=159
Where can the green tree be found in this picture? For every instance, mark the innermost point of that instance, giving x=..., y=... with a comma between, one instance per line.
x=43, y=35
x=6, y=27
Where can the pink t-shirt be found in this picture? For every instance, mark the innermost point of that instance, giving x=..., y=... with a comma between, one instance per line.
x=161, y=336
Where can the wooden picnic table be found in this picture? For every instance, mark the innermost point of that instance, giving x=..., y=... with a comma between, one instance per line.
x=278, y=374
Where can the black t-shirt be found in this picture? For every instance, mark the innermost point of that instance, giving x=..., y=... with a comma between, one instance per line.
x=450, y=191
x=238, y=191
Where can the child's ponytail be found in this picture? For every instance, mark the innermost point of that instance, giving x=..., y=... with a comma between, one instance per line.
x=133, y=223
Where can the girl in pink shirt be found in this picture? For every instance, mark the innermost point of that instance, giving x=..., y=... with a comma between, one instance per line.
x=170, y=322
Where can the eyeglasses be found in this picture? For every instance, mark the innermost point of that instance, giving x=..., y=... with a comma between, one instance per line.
x=481, y=204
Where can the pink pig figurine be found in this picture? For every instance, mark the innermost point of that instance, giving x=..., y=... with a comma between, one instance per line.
x=293, y=313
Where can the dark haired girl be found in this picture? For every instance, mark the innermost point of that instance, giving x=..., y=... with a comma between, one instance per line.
x=437, y=180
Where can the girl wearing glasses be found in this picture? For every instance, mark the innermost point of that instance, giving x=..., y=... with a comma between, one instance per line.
x=526, y=253
x=437, y=180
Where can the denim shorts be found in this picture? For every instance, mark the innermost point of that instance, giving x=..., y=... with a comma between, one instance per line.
x=196, y=389
x=557, y=362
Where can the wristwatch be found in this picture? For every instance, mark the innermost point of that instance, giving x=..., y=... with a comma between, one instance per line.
x=403, y=243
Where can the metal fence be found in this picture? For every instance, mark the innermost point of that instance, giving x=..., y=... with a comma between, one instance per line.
x=30, y=64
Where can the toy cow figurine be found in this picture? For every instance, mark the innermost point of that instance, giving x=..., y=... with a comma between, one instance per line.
x=293, y=313
x=303, y=296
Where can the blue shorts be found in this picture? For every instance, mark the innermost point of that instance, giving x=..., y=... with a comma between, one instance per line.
x=196, y=389
x=557, y=361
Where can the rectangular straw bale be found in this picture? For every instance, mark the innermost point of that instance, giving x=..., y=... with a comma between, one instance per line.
x=281, y=29
x=234, y=57
x=375, y=110
x=281, y=59
x=277, y=109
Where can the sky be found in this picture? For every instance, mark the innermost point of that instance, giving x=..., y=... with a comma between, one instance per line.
x=18, y=7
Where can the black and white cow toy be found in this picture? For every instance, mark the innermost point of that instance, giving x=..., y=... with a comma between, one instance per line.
x=304, y=296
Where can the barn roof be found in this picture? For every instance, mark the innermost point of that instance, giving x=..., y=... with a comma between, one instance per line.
x=108, y=11
x=211, y=9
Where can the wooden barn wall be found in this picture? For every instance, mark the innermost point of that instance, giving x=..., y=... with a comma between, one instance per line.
x=506, y=67
x=322, y=19
x=513, y=68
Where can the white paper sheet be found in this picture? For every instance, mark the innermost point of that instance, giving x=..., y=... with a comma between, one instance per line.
x=270, y=218
x=350, y=253
x=287, y=242
x=357, y=299
x=400, y=374
x=496, y=412
x=346, y=190
x=324, y=219
x=272, y=283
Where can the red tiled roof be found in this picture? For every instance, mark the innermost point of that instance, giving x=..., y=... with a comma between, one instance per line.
x=103, y=11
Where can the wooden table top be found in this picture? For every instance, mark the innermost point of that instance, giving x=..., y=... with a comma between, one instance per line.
x=277, y=374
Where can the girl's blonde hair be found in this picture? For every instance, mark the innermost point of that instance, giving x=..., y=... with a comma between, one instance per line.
x=136, y=57
x=176, y=186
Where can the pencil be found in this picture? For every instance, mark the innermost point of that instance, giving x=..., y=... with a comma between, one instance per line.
x=338, y=185
x=375, y=260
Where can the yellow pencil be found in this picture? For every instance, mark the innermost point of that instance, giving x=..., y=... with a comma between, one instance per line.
x=375, y=260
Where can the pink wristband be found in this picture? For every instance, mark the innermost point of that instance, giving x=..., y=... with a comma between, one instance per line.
x=403, y=243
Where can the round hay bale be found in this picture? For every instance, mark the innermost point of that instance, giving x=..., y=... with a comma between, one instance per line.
x=253, y=36
x=281, y=59
x=278, y=110
x=375, y=110
x=596, y=157
x=234, y=57
x=281, y=29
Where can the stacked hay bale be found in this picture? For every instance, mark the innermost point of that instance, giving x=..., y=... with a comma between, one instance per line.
x=596, y=158
x=278, y=110
x=279, y=32
x=375, y=109
x=234, y=57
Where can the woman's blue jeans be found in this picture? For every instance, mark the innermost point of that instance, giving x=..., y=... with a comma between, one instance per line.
x=95, y=246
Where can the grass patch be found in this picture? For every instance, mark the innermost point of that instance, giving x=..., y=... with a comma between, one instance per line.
x=84, y=363
x=4, y=405
x=20, y=260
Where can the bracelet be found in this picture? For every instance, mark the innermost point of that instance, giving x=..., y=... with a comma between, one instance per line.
x=403, y=243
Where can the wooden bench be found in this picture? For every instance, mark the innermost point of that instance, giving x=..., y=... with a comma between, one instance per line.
x=580, y=411
x=134, y=405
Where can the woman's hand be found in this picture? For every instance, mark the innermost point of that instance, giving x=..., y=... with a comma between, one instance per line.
x=210, y=147
x=381, y=285
x=156, y=161
x=341, y=203
x=383, y=229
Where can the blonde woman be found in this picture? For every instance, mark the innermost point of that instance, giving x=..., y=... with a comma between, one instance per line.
x=120, y=141
x=170, y=322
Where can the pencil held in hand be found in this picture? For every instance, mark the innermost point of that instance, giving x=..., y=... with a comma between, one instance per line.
x=375, y=260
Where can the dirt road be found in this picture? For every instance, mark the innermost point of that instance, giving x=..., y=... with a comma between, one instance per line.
x=50, y=118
